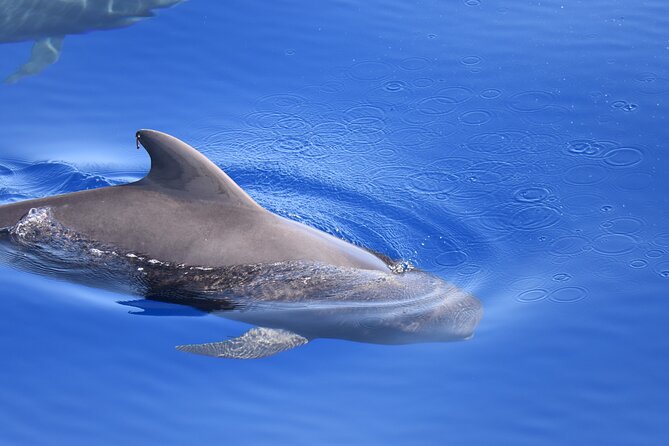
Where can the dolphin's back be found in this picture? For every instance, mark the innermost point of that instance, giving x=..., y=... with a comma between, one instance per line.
x=188, y=211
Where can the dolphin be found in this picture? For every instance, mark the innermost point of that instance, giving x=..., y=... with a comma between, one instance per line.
x=47, y=22
x=187, y=234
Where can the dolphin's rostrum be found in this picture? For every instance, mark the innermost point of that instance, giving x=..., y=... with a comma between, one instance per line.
x=188, y=234
x=47, y=22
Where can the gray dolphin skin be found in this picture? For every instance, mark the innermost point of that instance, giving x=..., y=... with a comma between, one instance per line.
x=187, y=234
x=47, y=22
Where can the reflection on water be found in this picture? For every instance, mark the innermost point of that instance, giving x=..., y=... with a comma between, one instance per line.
x=47, y=22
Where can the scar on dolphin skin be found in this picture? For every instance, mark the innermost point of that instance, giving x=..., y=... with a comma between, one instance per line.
x=187, y=234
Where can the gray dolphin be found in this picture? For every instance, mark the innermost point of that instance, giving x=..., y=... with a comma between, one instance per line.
x=188, y=234
x=47, y=22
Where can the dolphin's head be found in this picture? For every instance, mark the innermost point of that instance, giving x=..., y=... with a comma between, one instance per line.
x=391, y=309
x=441, y=312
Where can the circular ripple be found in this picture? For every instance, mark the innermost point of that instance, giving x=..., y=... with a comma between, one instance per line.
x=434, y=182
x=292, y=123
x=451, y=164
x=458, y=93
x=436, y=105
x=471, y=60
x=291, y=145
x=493, y=142
x=551, y=114
x=482, y=176
x=413, y=117
x=472, y=3
x=662, y=269
x=490, y=93
x=568, y=294
x=530, y=101
x=451, y=258
x=414, y=63
x=562, y=277
x=417, y=136
x=531, y=194
x=285, y=102
x=394, y=86
x=332, y=87
x=569, y=245
x=623, y=157
x=369, y=71
x=662, y=239
x=264, y=120
x=475, y=117
x=614, y=244
x=623, y=225
x=590, y=148
x=654, y=253
x=638, y=263
x=534, y=295
x=423, y=82
x=535, y=217
x=366, y=125
x=585, y=174
x=651, y=83
x=365, y=111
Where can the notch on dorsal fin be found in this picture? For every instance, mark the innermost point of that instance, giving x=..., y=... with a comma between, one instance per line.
x=180, y=168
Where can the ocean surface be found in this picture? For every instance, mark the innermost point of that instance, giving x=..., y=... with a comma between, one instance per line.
x=516, y=149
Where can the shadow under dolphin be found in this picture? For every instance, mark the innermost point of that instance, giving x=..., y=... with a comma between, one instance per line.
x=47, y=22
x=187, y=234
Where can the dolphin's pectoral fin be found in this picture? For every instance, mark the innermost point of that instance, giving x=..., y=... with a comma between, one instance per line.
x=44, y=53
x=256, y=343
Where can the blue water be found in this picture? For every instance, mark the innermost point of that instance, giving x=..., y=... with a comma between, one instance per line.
x=516, y=149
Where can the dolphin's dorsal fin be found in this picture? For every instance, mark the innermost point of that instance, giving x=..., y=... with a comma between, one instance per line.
x=181, y=169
